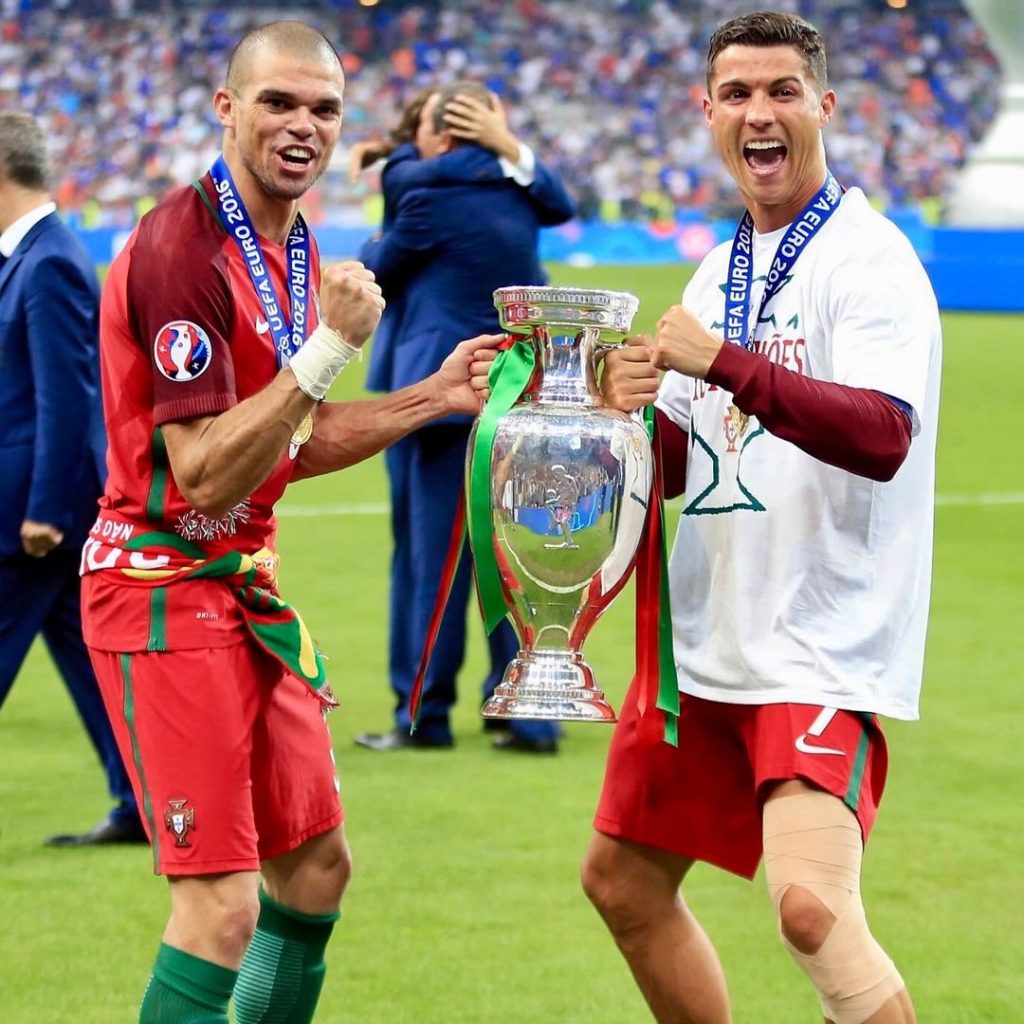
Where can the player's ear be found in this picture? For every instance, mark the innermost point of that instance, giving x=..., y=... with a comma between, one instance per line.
x=828, y=106
x=224, y=106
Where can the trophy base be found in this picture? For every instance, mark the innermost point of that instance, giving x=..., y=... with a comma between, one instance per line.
x=552, y=685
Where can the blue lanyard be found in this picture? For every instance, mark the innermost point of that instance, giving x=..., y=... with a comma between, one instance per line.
x=741, y=261
x=288, y=338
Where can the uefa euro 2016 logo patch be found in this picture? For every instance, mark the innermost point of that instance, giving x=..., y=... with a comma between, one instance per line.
x=182, y=350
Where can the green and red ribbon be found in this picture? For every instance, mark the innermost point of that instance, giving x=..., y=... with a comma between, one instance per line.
x=655, y=675
x=655, y=678
x=510, y=374
x=451, y=564
x=274, y=624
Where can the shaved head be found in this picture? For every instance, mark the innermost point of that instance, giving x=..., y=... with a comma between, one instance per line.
x=291, y=37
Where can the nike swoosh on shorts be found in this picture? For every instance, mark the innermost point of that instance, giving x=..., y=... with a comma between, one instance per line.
x=809, y=748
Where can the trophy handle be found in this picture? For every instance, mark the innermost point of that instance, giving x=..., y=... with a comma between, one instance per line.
x=605, y=344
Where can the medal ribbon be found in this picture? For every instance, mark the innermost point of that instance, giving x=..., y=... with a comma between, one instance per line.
x=288, y=337
x=741, y=261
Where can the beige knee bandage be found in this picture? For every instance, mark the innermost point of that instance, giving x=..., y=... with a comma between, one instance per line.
x=813, y=841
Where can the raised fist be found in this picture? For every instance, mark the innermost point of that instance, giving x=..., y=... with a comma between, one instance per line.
x=350, y=301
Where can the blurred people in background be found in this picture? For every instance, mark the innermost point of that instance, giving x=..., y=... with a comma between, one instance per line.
x=367, y=152
x=605, y=90
x=464, y=204
x=52, y=467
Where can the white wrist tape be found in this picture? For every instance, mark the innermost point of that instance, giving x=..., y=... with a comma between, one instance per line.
x=322, y=357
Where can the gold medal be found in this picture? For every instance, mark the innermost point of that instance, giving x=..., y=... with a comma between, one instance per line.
x=739, y=420
x=304, y=431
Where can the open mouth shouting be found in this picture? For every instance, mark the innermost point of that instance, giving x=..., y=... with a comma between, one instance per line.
x=764, y=156
x=296, y=158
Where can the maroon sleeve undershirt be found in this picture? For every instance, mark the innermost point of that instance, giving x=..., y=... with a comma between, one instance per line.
x=856, y=429
x=673, y=442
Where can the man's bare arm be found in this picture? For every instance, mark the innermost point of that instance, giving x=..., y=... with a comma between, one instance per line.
x=217, y=461
x=348, y=432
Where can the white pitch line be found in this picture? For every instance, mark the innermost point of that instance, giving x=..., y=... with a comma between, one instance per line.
x=382, y=508
x=980, y=499
x=311, y=511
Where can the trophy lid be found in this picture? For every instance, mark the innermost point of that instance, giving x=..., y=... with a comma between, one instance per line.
x=523, y=307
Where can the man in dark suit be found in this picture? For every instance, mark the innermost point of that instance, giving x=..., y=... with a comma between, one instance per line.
x=52, y=447
x=460, y=221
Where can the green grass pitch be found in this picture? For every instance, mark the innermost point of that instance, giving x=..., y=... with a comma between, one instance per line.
x=465, y=906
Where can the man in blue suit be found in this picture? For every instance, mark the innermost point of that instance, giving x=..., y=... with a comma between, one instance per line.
x=52, y=448
x=460, y=220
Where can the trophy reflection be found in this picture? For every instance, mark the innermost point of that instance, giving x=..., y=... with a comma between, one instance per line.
x=570, y=482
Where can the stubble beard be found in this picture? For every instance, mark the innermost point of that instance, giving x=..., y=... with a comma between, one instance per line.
x=286, y=190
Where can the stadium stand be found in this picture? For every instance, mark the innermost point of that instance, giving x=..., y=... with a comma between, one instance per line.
x=608, y=91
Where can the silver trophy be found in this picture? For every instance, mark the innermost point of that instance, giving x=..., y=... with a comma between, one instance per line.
x=570, y=483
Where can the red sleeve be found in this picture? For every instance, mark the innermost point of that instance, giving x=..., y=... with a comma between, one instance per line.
x=855, y=429
x=674, y=442
x=180, y=308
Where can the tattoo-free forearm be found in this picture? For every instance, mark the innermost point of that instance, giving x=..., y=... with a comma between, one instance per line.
x=349, y=432
x=220, y=460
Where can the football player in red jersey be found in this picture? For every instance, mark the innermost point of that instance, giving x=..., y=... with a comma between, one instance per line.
x=220, y=336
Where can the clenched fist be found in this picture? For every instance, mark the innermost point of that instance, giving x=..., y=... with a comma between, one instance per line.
x=682, y=343
x=629, y=380
x=350, y=301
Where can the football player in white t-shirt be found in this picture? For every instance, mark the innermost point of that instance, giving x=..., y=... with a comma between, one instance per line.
x=800, y=412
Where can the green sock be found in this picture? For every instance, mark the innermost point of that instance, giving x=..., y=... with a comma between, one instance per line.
x=283, y=970
x=186, y=990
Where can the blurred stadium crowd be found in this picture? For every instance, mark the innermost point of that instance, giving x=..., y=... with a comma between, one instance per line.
x=608, y=91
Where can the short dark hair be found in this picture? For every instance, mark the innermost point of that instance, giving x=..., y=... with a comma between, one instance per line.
x=24, y=157
x=772, y=28
x=290, y=36
x=448, y=92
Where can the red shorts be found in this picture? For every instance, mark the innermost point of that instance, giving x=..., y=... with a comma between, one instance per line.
x=703, y=799
x=229, y=756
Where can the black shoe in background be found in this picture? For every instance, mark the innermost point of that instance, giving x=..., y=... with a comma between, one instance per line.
x=402, y=739
x=525, y=744
x=497, y=725
x=106, y=833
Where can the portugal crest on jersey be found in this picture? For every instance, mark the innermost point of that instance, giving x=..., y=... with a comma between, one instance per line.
x=179, y=818
x=182, y=350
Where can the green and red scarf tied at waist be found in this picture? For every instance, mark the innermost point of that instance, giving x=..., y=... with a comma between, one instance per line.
x=158, y=559
x=655, y=674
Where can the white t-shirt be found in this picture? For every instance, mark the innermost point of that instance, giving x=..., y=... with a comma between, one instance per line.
x=792, y=580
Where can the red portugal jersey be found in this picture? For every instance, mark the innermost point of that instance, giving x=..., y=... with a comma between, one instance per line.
x=183, y=334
